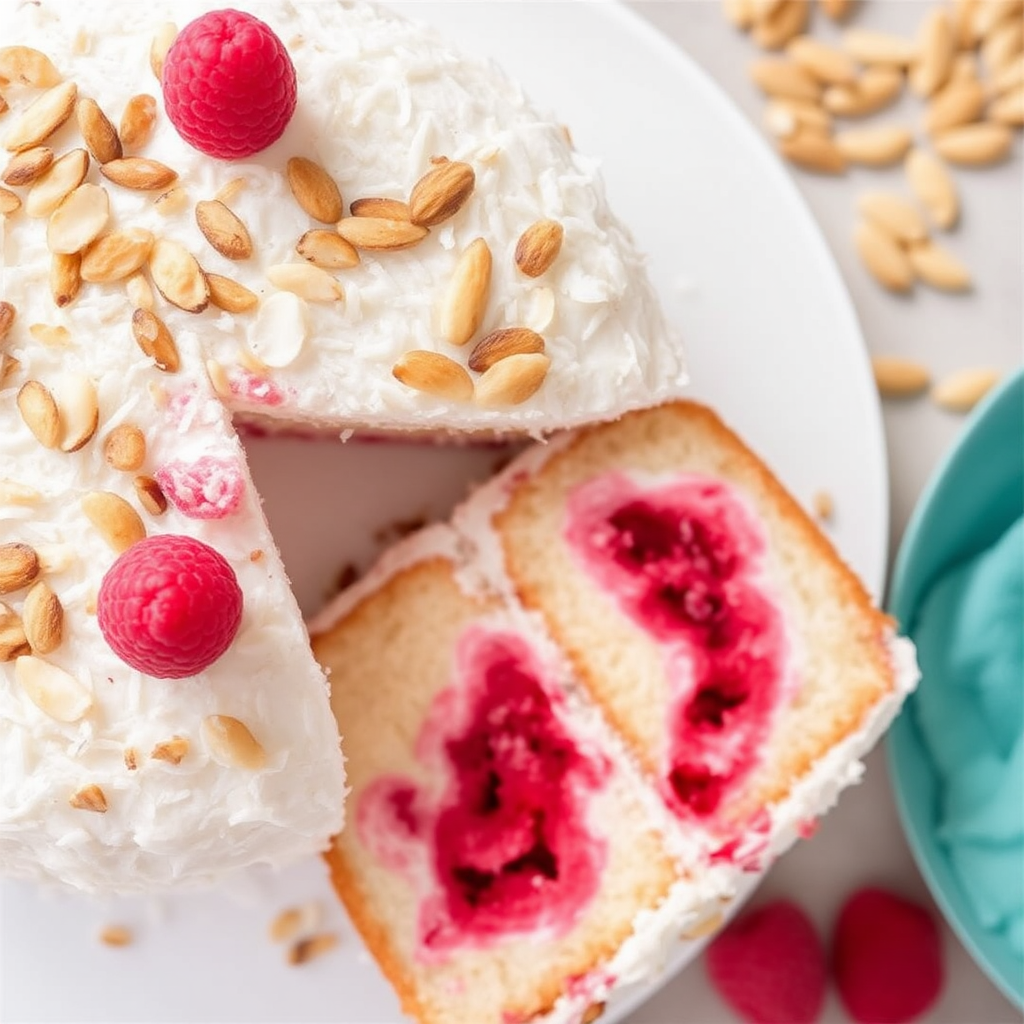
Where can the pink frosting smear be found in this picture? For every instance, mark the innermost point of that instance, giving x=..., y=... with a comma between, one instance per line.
x=504, y=843
x=684, y=560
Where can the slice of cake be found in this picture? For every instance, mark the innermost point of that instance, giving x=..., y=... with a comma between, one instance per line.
x=497, y=854
x=722, y=637
x=421, y=250
x=128, y=523
x=694, y=628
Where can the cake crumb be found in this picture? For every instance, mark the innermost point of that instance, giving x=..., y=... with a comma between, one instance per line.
x=256, y=555
x=116, y=935
x=309, y=948
x=131, y=759
x=592, y=1012
x=823, y=505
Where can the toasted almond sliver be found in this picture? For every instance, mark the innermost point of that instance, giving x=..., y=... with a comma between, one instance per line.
x=150, y=495
x=125, y=447
x=961, y=390
x=814, y=151
x=895, y=215
x=155, y=340
x=939, y=267
x=962, y=20
x=440, y=193
x=315, y=190
x=307, y=281
x=99, y=133
x=173, y=201
x=500, y=344
x=10, y=202
x=876, y=88
x=538, y=247
x=178, y=276
x=704, y=927
x=960, y=102
x=936, y=47
x=311, y=947
x=117, y=255
x=26, y=66
x=1002, y=46
x=883, y=257
x=50, y=335
x=13, y=642
x=785, y=117
x=163, y=39
x=39, y=411
x=383, y=209
x=324, y=247
x=12, y=492
x=173, y=751
x=933, y=187
x=55, y=692
x=116, y=935
x=876, y=146
x=434, y=374
x=42, y=617
x=19, y=566
x=280, y=330
x=223, y=229
x=783, y=78
x=1008, y=109
x=975, y=145
x=43, y=117
x=231, y=296
x=27, y=166
x=374, y=233
x=79, y=218
x=119, y=524
x=870, y=47
x=1009, y=78
x=79, y=411
x=739, y=13
x=512, y=380
x=63, y=177
x=837, y=10
x=783, y=21
x=137, y=121
x=899, y=378
x=140, y=294
x=465, y=299
x=8, y=314
x=139, y=173
x=65, y=277
x=89, y=798
x=828, y=64
x=231, y=744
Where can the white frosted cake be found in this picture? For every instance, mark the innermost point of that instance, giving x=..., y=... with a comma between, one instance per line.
x=328, y=343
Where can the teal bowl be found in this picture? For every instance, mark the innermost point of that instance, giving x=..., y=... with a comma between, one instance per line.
x=975, y=494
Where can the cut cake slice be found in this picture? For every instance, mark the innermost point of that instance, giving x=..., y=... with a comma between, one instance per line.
x=697, y=630
x=497, y=854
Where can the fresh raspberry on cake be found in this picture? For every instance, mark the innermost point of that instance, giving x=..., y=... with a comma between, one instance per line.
x=886, y=957
x=769, y=965
x=170, y=606
x=229, y=84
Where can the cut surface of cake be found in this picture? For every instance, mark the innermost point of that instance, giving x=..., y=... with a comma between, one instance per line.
x=347, y=276
x=708, y=639
x=495, y=851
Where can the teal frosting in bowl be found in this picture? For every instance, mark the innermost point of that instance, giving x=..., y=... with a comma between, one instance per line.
x=957, y=751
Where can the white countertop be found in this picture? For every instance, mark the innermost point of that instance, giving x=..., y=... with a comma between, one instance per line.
x=861, y=842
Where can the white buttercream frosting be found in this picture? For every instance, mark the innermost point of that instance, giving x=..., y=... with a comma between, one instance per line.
x=378, y=96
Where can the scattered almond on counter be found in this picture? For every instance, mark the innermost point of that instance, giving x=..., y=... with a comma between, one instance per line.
x=961, y=390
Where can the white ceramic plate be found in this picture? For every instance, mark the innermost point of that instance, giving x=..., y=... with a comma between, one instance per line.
x=773, y=343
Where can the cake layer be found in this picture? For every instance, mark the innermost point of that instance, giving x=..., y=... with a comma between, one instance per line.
x=111, y=779
x=496, y=853
x=379, y=99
